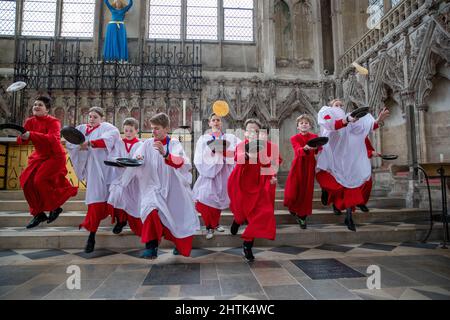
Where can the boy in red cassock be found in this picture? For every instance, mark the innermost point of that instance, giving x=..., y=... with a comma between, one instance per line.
x=251, y=187
x=299, y=188
x=44, y=181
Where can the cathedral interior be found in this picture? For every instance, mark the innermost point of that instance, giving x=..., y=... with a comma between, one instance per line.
x=268, y=59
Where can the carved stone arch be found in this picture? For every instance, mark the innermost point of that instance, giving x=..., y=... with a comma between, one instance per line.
x=302, y=108
x=60, y=114
x=175, y=116
x=257, y=106
x=357, y=94
x=425, y=85
x=297, y=99
x=121, y=114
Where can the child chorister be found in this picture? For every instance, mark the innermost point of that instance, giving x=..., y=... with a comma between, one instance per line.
x=299, y=188
x=251, y=187
x=44, y=181
x=88, y=162
x=121, y=202
x=343, y=168
x=165, y=197
x=214, y=166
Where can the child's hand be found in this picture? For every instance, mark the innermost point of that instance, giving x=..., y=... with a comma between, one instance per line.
x=306, y=148
x=139, y=157
x=384, y=113
x=84, y=145
x=25, y=136
x=274, y=180
x=159, y=147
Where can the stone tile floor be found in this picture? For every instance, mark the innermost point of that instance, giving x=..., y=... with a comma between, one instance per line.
x=408, y=271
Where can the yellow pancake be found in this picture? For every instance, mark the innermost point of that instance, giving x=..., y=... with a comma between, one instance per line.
x=360, y=69
x=221, y=108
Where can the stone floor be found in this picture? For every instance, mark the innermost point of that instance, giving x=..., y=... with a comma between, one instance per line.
x=408, y=271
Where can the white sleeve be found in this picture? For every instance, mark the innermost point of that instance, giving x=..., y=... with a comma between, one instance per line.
x=78, y=158
x=207, y=163
x=111, y=137
x=326, y=119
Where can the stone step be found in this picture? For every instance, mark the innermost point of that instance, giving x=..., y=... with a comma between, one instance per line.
x=74, y=218
x=18, y=194
x=287, y=235
x=79, y=205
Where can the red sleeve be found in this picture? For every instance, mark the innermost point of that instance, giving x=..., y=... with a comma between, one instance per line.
x=339, y=124
x=174, y=161
x=239, y=154
x=298, y=145
x=369, y=148
x=376, y=126
x=47, y=141
x=27, y=126
x=98, y=144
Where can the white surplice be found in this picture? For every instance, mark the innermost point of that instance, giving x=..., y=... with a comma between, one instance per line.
x=165, y=189
x=88, y=164
x=214, y=171
x=345, y=155
x=123, y=196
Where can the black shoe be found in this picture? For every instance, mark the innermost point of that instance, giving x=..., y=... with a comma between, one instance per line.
x=302, y=223
x=151, y=253
x=90, y=245
x=54, y=214
x=324, y=197
x=119, y=227
x=41, y=217
x=349, y=221
x=337, y=211
x=363, y=208
x=248, y=254
x=234, y=228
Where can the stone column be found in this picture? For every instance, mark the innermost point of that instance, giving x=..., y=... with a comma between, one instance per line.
x=267, y=37
x=423, y=150
x=413, y=193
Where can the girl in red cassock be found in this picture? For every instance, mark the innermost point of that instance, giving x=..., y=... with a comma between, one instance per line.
x=88, y=162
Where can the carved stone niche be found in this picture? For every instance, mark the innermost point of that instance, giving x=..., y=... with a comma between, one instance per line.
x=304, y=63
x=283, y=63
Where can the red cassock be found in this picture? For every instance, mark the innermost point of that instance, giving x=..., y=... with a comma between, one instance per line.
x=252, y=196
x=299, y=190
x=44, y=181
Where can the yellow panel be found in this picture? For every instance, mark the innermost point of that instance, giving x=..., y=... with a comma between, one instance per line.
x=17, y=162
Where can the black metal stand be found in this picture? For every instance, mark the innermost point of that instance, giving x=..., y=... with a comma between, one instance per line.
x=442, y=175
x=430, y=204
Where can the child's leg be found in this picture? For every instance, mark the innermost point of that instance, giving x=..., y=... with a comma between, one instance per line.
x=121, y=217
x=96, y=213
x=152, y=231
x=247, y=249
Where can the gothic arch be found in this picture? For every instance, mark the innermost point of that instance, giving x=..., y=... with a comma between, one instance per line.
x=296, y=101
